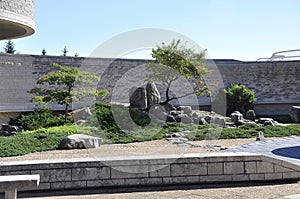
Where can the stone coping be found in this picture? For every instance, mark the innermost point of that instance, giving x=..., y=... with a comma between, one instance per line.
x=133, y=157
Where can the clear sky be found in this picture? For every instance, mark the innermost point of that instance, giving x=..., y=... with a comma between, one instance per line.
x=230, y=29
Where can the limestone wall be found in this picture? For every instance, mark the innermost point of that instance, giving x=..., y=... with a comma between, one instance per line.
x=153, y=170
x=276, y=84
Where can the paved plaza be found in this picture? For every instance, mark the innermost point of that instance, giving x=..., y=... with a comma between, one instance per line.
x=286, y=148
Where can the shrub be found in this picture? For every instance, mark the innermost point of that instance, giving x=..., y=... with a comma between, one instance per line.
x=239, y=98
x=129, y=133
x=40, y=118
x=34, y=141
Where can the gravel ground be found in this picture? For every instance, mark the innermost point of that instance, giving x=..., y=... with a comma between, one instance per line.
x=137, y=148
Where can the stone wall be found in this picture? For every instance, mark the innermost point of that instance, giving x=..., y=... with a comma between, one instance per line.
x=153, y=170
x=276, y=84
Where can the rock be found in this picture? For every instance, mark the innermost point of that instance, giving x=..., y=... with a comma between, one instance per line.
x=186, y=119
x=202, y=121
x=80, y=122
x=6, y=127
x=238, y=120
x=295, y=114
x=153, y=96
x=236, y=116
x=250, y=115
x=138, y=98
x=7, y=133
x=167, y=136
x=196, y=115
x=186, y=110
x=9, y=130
x=178, y=140
x=261, y=136
x=183, y=118
x=208, y=119
x=170, y=118
x=158, y=112
x=244, y=121
x=80, y=141
x=175, y=113
x=220, y=121
x=267, y=122
x=81, y=114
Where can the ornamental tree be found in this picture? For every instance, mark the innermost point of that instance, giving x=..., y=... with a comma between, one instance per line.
x=58, y=86
x=239, y=98
x=174, y=61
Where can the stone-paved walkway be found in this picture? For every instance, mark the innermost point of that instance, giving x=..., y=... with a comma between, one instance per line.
x=287, y=148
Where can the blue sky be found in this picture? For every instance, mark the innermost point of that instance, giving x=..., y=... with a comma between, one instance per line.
x=230, y=29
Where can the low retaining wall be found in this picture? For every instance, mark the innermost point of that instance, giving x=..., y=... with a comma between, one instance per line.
x=153, y=170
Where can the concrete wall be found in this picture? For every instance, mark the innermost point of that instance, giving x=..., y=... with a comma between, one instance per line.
x=276, y=84
x=154, y=170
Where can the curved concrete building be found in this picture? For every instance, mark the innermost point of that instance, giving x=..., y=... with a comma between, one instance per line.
x=16, y=18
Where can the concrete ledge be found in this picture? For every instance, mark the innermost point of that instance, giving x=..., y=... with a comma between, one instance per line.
x=153, y=170
x=11, y=183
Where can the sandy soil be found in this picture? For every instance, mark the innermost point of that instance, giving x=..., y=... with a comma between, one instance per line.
x=137, y=148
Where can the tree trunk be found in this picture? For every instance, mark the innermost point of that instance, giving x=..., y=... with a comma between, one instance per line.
x=66, y=112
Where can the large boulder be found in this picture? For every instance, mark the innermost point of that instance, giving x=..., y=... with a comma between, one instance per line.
x=80, y=141
x=267, y=122
x=153, y=96
x=295, y=114
x=236, y=117
x=250, y=115
x=138, y=98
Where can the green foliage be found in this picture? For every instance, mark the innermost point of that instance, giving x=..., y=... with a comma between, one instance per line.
x=9, y=47
x=246, y=131
x=239, y=98
x=174, y=61
x=34, y=141
x=40, y=118
x=58, y=86
x=113, y=133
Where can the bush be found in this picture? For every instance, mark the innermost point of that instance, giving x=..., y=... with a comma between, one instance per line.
x=34, y=141
x=40, y=118
x=112, y=132
x=239, y=98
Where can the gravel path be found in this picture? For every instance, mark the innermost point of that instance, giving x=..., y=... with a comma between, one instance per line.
x=137, y=148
